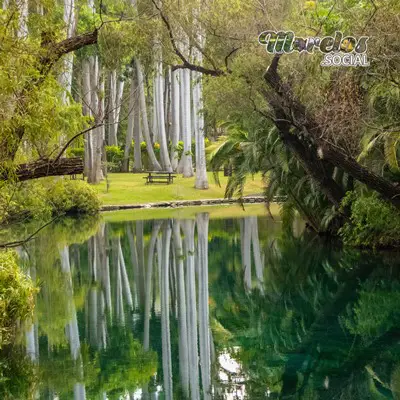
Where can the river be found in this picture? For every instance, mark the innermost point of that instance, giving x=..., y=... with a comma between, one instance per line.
x=205, y=305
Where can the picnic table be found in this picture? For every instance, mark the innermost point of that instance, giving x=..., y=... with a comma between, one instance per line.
x=159, y=177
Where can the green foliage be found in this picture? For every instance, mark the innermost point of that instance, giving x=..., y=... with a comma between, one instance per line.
x=115, y=156
x=40, y=200
x=73, y=197
x=76, y=152
x=18, y=375
x=16, y=296
x=373, y=222
x=376, y=311
x=124, y=364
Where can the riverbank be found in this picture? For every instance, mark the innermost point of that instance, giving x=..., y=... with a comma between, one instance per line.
x=183, y=203
x=130, y=190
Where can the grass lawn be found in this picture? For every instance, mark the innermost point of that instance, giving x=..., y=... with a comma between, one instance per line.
x=215, y=212
x=130, y=188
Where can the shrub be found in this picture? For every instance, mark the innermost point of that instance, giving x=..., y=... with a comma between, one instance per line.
x=16, y=296
x=42, y=199
x=115, y=156
x=75, y=152
x=373, y=222
x=27, y=200
x=73, y=197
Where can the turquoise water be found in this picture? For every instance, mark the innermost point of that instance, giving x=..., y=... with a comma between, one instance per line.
x=205, y=309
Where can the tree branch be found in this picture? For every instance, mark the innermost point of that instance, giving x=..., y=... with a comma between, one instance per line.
x=43, y=168
x=186, y=64
x=75, y=137
x=30, y=237
x=56, y=50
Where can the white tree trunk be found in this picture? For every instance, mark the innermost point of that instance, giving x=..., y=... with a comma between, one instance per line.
x=72, y=327
x=160, y=110
x=86, y=97
x=165, y=326
x=258, y=261
x=95, y=175
x=182, y=312
x=124, y=276
x=129, y=133
x=201, y=166
x=154, y=119
x=137, y=131
x=135, y=265
x=120, y=93
x=245, y=230
x=145, y=123
x=204, y=323
x=186, y=167
x=175, y=109
x=149, y=275
x=112, y=112
x=188, y=229
x=22, y=31
x=66, y=75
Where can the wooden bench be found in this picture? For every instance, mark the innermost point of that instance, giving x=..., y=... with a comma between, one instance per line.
x=159, y=177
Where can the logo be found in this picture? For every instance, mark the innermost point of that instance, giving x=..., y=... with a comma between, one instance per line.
x=338, y=50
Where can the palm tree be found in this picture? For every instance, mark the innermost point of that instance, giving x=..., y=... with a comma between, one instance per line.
x=259, y=150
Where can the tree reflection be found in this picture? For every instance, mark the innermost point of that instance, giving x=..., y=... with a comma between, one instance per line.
x=231, y=309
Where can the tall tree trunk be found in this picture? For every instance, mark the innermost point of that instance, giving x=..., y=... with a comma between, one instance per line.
x=94, y=175
x=175, y=110
x=135, y=265
x=188, y=229
x=201, y=165
x=258, y=261
x=129, y=133
x=118, y=105
x=137, y=131
x=160, y=110
x=72, y=330
x=23, y=19
x=245, y=232
x=124, y=276
x=66, y=75
x=154, y=116
x=154, y=164
x=112, y=108
x=182, y=312
x=204, y=323
x=165, y=304
x=86, y=109
x=186, y=167
x=149, y=274
x=140, y=252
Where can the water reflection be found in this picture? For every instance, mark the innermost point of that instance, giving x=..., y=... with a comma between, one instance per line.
x=209, y=309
